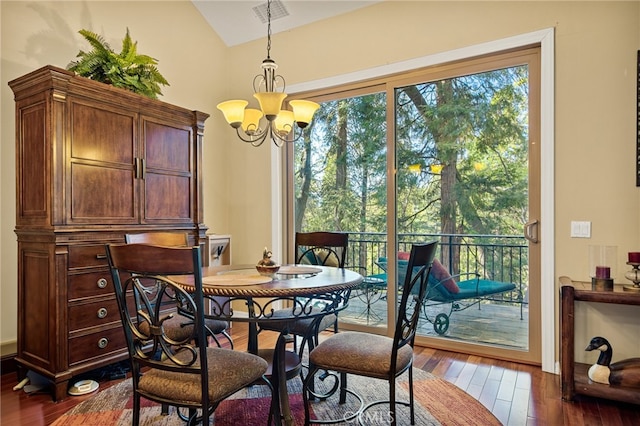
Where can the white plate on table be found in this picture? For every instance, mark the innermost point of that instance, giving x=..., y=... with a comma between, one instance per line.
x=236, y=280
x=298, y=270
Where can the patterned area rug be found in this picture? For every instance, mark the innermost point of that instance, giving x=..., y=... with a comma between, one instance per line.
x=438, y=402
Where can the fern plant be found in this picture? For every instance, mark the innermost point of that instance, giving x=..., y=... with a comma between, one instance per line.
x=127, y=69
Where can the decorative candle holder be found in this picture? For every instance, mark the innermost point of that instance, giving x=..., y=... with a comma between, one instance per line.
x=602, y=284
x=602, y=261
x=634, y=276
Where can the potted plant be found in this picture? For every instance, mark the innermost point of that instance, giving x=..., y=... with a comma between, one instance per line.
x=127, y=69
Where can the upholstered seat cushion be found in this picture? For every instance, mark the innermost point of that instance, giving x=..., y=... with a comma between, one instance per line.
x=180, y=328
x=229, y=371
x=300, y=327
x=360, y=353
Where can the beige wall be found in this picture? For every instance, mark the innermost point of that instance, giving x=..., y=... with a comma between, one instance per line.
x=595, y=75
x=190, y=55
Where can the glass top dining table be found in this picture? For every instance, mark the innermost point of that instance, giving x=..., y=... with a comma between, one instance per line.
x=295, y=292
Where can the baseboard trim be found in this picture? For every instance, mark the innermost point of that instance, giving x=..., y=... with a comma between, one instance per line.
x=8, y=364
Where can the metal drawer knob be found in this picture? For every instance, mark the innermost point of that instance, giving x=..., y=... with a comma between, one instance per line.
x=102, y=283
x=102, y=343
x=102, y=312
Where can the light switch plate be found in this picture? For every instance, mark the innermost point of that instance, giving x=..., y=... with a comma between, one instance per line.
x=580, y=229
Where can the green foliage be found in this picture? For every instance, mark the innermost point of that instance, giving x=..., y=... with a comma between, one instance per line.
x=474, y=126
x=332, y=201
x=127, y=69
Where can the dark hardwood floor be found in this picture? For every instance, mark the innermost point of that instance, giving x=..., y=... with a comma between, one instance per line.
x=517, y=394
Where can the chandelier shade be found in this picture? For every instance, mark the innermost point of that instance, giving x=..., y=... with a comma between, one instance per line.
x=281, y=125
x=284, y=122
x=233, y=111
x=303, y=111
x=270, y=103
x=251, y=121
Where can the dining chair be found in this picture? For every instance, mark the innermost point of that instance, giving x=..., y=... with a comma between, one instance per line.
x=180, y=325
x=372, y=355
x=313, y=248
x=197, y=377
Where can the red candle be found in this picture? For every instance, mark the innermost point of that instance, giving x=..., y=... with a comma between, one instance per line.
x=634, y=257
x=603, y=272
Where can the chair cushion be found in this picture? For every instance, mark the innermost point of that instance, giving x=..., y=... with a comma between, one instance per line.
x=439, y=274
x=229, y=371
x=479, y=288
x=299, y=327
x=360, y=353
x=180, y=328
x=402, y=268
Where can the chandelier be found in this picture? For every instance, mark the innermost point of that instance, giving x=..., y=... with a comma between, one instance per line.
x=281, y=125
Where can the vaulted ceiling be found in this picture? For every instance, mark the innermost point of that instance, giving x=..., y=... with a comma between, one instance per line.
x=238, y=21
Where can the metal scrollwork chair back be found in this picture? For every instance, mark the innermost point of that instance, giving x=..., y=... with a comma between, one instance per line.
x=313, y=248
x=179, y=326
x=188, y=375
x=372, y=355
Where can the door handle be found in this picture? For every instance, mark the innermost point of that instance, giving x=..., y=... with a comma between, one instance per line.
x=531, y=231
x=138, y=168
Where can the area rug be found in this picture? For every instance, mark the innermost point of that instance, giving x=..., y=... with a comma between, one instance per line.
x=437, y=402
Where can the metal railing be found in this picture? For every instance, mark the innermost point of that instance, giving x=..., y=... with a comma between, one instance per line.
x=495, y=257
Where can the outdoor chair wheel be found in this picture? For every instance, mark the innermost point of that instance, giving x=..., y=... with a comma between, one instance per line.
x=433, y=308
x=441, y=323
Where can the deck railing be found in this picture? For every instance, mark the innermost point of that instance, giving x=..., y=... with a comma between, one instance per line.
x=495, y=257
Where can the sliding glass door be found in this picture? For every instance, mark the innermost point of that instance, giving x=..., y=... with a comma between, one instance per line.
x=465, y=157
x=446, y=153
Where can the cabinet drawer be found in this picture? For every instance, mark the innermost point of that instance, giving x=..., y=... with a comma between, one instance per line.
x=90, y=285
x=87, y=256
x=93, y=314
x=96, y=345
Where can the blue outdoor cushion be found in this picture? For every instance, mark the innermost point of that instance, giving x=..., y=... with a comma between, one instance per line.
x=402, y=267
x=469, y=289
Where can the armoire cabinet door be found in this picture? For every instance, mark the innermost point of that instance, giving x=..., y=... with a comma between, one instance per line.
x=168, y=176
x=102, y=159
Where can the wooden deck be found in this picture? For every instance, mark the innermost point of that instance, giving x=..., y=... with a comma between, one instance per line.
x=494, y=323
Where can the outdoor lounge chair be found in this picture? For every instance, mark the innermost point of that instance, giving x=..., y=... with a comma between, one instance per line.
x=447, y=294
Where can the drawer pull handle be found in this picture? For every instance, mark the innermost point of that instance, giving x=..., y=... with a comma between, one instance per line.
x=102, y=343
x=101, y=256
x=102, y=283
x=102, y=312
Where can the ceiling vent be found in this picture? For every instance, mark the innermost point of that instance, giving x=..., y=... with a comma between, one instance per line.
x=277, y=11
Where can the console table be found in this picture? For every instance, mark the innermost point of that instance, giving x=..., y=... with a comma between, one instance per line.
x=574, y=375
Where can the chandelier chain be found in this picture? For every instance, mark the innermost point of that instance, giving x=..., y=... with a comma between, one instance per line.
x=268, y=29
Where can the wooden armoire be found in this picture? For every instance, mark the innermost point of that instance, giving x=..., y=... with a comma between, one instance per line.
x=93, y=162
